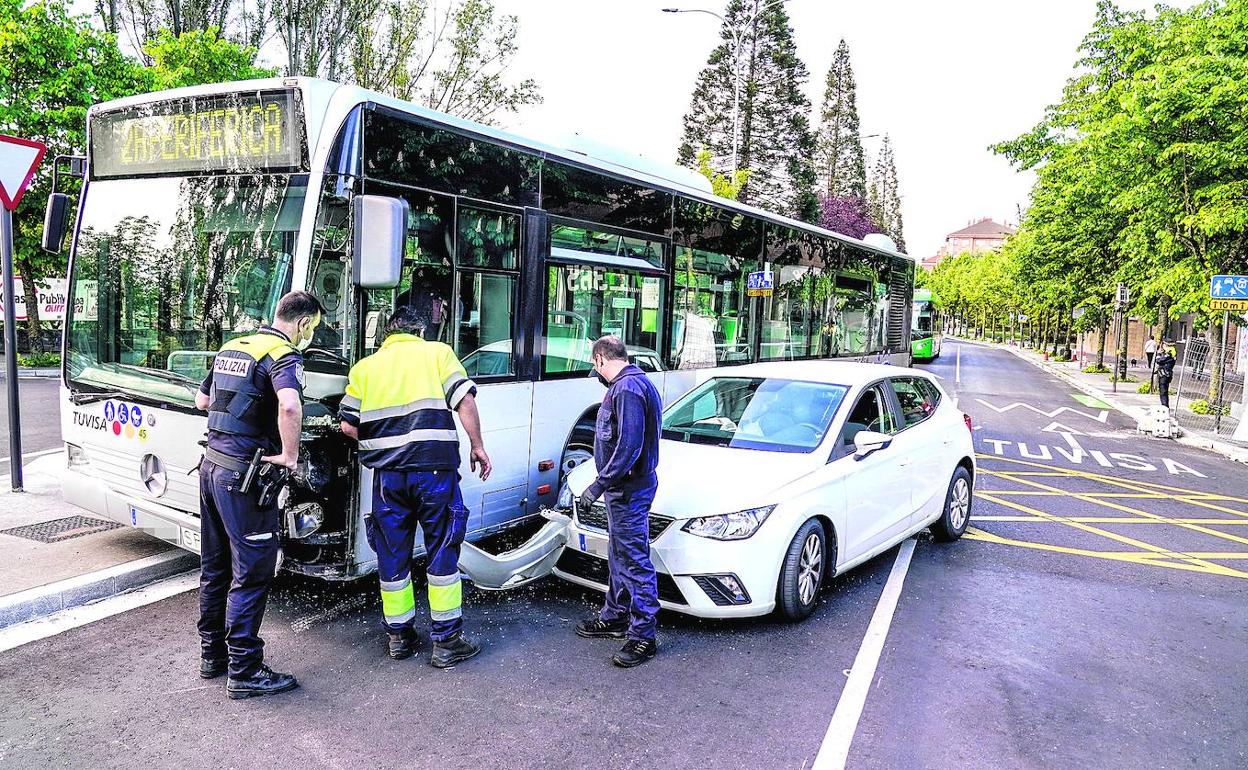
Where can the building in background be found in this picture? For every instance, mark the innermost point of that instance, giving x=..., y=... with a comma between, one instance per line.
x=984, y=235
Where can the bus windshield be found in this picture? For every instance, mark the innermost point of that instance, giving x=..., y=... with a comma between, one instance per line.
x=166, y=269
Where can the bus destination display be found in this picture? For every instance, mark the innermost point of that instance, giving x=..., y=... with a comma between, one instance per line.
x=239, y=132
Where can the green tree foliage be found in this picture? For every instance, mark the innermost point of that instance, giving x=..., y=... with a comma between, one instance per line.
x=53, y=66
x=1142, y=166
x=884, y=196
x=773, y=135
x=724, y=185
x=841, y=163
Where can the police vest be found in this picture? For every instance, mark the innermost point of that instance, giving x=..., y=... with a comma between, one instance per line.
x=242, y=401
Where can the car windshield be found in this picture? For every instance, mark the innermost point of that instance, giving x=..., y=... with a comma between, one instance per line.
x=763, y=413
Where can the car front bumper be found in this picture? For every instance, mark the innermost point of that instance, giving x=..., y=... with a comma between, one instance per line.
x=685, y=564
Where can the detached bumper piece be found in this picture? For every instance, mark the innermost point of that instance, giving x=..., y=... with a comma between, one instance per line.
x=593, y=569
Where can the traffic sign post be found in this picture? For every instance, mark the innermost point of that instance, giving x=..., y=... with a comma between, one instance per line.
x=19, y=158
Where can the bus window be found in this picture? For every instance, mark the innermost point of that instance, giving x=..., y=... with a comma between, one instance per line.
x=786, y=314
x=487, y=240
x=586, y=302
x=712, y=312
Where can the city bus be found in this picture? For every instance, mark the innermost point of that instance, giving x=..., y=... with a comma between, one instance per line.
x=926, y=325
x=201, y=206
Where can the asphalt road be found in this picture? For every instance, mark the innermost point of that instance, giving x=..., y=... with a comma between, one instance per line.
x=40, y=413
x=1039, y=640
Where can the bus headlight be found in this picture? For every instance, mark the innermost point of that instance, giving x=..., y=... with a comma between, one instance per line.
x=77, y=456
x=729, y=526
x=304, y=519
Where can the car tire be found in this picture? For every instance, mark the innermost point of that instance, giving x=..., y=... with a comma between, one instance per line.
x=957, y=512
x=802, y=572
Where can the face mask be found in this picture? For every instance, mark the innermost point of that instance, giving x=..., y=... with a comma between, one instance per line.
x=303, y=344
x=605, y=383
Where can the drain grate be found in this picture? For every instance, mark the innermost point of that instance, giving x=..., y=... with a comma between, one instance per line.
x=61, y=529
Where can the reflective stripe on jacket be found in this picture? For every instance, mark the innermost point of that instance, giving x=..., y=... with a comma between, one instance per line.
x=400, y=399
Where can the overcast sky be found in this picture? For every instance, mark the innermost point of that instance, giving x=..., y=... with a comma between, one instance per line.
x=943, y=79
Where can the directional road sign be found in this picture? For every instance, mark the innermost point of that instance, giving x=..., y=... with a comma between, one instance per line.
x=18, y=160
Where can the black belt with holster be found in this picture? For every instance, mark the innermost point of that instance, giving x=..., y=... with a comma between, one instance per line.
x=225, y=461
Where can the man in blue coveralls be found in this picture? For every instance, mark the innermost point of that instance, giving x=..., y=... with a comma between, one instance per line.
x=254, y=397
x=626, y=452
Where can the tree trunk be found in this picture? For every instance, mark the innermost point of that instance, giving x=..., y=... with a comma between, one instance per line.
x=34, y=340
x=1102, y=330
x=1163, y=318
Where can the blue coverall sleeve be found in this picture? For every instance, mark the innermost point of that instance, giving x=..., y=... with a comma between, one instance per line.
x=630, y=415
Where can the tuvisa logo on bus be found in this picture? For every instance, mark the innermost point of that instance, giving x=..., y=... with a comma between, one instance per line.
x=117, y=418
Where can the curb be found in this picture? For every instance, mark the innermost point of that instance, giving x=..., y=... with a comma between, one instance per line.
x=38, y=602
x=36, y=374
x=1229, y=451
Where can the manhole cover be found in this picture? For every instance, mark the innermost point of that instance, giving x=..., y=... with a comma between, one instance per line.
x=61, y=529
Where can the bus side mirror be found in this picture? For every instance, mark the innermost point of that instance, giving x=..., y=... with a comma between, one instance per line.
x=54, y=222
x=379, y=240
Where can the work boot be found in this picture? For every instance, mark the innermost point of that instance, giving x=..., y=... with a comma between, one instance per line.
x=211, y=668
x=264, y=681
x=402, y=643
x=454, y=650
x=597, y=628
x=635, y=652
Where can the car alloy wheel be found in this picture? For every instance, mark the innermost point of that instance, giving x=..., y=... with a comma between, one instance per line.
x=959, y=503
x=811, y=568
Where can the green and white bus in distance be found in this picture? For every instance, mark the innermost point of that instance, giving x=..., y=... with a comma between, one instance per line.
x=202, y=206
x=926, y=323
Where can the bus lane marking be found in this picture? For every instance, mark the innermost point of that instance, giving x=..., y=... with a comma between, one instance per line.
x=1125, y=509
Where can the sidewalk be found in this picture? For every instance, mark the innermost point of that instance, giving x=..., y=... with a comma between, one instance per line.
x=1126, y=400
x=54, y=555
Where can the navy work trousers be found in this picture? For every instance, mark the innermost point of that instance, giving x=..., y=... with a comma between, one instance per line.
x=402, y=501
x=632, y=589
x=238, y=543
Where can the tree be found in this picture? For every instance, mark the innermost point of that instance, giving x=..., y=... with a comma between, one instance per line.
x=200, y=56
x=53, y=66
x=845, y=215
x=884, y=196
x=723, y=185
x=773, y=136
x=841, y=164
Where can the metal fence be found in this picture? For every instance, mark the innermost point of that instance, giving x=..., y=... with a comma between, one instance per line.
x=1210, y=396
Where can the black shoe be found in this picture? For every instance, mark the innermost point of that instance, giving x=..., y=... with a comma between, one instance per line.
x=596, y=628
x=265, y=681
x=402, y=644
x=211, y=668
x=635, y=652
x=454, y=650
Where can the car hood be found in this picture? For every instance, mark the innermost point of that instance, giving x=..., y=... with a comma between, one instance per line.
x=702, y=480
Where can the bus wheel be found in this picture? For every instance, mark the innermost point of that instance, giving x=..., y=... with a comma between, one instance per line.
x=580, y=449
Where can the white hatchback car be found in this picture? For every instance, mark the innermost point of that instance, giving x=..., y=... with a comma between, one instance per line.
x=773, y=477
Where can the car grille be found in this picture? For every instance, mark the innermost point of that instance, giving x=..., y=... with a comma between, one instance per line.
x=594, y=569
x=596, y=518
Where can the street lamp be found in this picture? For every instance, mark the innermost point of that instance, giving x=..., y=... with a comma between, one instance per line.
x=736, y=34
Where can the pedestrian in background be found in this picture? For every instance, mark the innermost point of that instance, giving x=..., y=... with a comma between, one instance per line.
x=1150, y=350
x=626, y=453
x=1165, y=372
x=398, y=406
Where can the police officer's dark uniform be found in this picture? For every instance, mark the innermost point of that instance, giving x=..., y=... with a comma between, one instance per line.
x=1165, y=372
x=626, y=453
x=239, y=539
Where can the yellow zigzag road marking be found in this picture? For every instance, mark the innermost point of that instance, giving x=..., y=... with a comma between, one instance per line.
x=1108, y=519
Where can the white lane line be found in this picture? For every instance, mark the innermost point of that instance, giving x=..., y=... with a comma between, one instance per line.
x=835, y=747
x=42, y=628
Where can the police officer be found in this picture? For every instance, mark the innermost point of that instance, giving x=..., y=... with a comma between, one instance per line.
x=626, y=452
x=1165, y=371
x=253, y=395
x=398, y=406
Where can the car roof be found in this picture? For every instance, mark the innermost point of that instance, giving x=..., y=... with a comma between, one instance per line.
x=833, y=372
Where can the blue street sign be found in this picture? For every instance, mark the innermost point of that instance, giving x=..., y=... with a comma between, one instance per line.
x=1229, y=287
x=759, y=284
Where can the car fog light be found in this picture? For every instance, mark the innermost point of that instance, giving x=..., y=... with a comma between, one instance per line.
x=76, y=455
x=304, y=519
x=724, y=590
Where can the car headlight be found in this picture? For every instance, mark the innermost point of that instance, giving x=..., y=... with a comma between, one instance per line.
x=565, y=497
x=729, y=526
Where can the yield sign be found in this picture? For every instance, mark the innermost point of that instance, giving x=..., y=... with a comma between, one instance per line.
x=18, y=160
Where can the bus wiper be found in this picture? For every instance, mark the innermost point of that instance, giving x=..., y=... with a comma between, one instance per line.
x=160, y=374
x=81, y=397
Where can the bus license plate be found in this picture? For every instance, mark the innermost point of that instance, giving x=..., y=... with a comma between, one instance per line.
x=190, y=539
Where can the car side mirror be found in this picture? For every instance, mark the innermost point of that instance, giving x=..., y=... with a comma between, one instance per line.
x=55, y=220
x=866, y=442
x=379, y=241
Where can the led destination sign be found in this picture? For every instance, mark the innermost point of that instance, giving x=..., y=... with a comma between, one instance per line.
x=236, y=132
